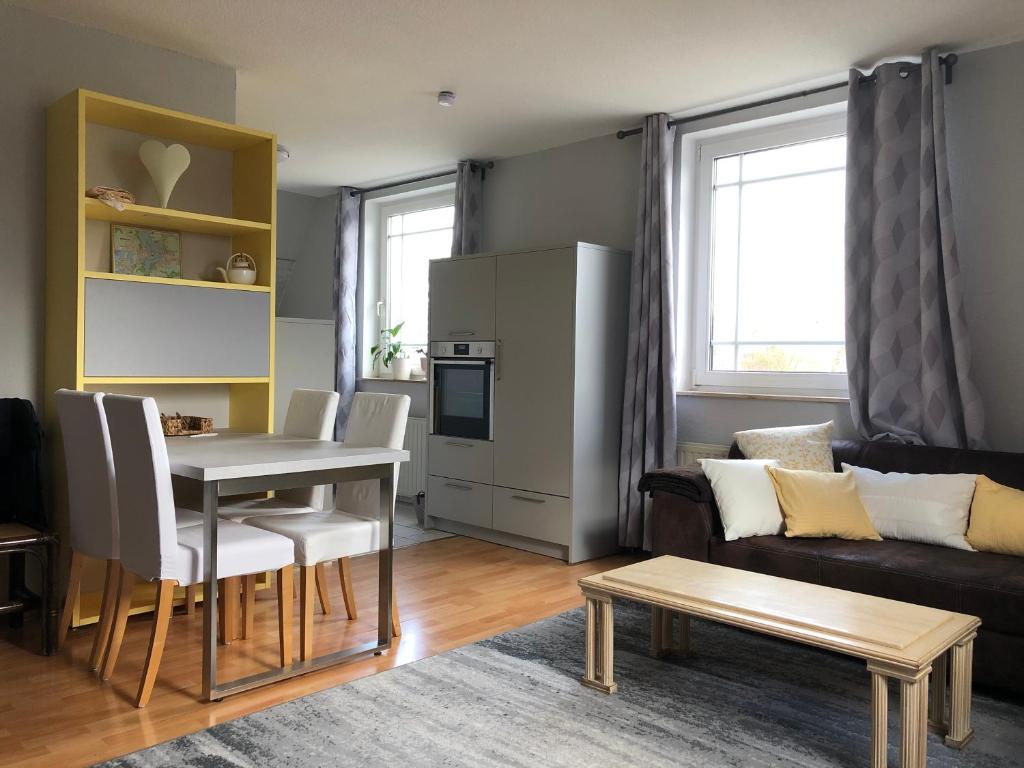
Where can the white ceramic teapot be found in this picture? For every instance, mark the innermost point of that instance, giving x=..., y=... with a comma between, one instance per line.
x=241, y=268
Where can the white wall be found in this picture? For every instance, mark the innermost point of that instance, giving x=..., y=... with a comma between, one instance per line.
x=42, y=60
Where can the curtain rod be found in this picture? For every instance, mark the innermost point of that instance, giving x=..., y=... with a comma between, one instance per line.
x=948, y=61
x=428, y=177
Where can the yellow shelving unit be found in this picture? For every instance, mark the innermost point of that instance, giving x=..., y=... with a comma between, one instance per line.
x=250, y=228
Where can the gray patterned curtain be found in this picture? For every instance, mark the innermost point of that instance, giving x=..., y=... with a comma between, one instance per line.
x=907, y=348
x=469, y=186
x=649, y=399
x=346, y=277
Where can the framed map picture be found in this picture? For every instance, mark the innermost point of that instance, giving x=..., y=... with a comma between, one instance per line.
x=149, y=252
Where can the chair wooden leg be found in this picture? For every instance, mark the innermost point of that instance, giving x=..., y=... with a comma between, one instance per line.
x=321, y=589
x=345, y=576
x=190, y=599
x=306, y=587
x=232, y=607
x=248, y=604
x=106, y=620
x=161, y=618
x=126, y=585
x=74, y=587
x=285, y=598
x=396, y=624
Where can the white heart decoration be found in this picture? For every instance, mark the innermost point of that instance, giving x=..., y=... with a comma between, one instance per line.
x=165, y=165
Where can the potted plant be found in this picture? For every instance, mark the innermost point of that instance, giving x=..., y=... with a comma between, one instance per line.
x=385, y=353
x=402, y=366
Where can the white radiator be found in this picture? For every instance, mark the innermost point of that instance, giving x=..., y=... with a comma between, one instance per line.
x=691, y=453
x=412, y=478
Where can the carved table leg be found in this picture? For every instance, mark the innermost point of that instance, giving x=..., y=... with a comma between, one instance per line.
x=913, y=715
x=879, y=720
x=600, y=645
x=937, y=696
x=663, y=634
x=914, y=721
x=962, y=658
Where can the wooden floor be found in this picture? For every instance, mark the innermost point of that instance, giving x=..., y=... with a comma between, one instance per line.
x=450, y=592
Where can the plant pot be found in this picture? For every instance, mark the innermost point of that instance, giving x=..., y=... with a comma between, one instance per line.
x=402, y=367
x=425, y=365
x=380, y=371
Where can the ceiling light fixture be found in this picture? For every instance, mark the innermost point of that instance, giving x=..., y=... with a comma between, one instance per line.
x=446, y=98
x=283, y=153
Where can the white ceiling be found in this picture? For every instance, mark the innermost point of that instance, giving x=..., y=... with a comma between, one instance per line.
x=350, y=87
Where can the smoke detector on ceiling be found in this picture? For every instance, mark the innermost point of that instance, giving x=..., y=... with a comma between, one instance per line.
x=446, y=98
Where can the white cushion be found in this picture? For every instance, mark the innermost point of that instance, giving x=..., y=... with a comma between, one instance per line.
x=745, y=496
x=931, y=509
x=240, y=511
x=186, y=518
x=322, y=536
x=805, y=447
x=241, y=550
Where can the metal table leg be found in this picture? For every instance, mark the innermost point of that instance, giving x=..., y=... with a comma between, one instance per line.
x=210, y=493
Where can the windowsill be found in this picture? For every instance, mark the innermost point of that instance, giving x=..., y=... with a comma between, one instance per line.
x=393, y=381
x=836, y=399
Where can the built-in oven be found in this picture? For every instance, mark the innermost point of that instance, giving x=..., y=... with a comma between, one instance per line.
x=462, y=389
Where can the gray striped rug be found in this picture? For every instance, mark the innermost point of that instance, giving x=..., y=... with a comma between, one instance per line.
x=516, y=700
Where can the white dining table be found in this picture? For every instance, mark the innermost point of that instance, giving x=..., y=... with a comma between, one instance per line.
x=236, y=463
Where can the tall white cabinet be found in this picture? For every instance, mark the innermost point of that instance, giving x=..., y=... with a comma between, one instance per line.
x=549, y=480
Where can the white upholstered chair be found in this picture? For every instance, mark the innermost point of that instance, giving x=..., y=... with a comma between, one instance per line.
x=154, y=550
x=353, y=527
x=92, y=504
x=311, y=414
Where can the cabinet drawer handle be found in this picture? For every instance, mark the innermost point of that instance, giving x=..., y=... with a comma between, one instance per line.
x=459, y=445
x=462, y=333
x=458, y=487
x=529, y=499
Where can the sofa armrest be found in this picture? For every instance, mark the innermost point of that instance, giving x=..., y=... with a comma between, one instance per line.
x=689, y=482
x=684, y=517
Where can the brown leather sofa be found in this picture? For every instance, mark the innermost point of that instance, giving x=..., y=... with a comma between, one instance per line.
x=685, y=522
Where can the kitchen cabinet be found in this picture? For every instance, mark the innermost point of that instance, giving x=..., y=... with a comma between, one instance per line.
x=548, y=482
x=462, y=299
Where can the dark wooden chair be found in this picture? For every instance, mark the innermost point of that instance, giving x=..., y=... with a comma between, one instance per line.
x=23, y=519
x=16, y=541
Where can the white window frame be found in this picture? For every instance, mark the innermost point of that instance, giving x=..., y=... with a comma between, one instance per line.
x=708, y=148
x=377, y=309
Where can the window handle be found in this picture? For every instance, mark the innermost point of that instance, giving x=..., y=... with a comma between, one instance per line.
x=529, y=499
x=459, y=445
x=462, y=333
x=458, y=487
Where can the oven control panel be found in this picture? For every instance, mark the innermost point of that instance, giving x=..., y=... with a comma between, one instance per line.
x=472, y=349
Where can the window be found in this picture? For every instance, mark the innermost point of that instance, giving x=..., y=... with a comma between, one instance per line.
x=412, y=233
x=770, y=283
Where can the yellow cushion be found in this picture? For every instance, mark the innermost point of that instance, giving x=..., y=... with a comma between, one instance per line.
x=821, y=504
x=997, y=518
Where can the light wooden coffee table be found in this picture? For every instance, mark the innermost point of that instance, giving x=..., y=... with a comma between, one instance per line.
x=902, y=641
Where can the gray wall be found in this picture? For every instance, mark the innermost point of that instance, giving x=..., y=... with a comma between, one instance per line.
x=42, y=60
x=306, y=236
x=587, y=191
x=985, y=112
